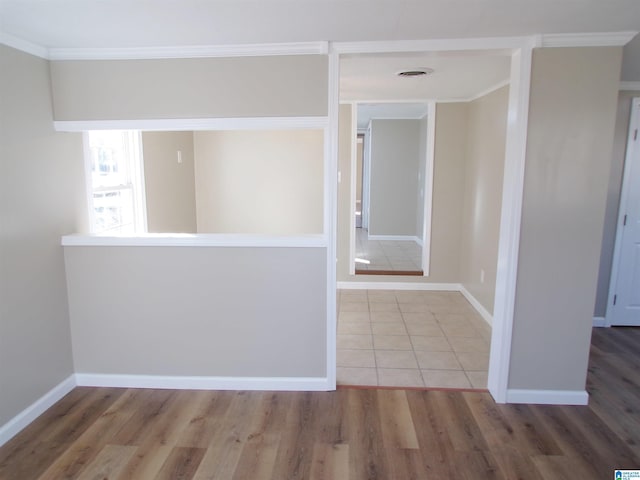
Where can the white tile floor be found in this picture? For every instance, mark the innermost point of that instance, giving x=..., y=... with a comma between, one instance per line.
x=392, y=255
x=411, y=339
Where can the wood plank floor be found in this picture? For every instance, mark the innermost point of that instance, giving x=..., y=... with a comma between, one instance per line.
x=109, y=433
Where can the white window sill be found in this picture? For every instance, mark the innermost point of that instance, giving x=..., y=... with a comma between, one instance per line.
x=194, y=240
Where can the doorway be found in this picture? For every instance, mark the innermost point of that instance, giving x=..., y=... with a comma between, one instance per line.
x=624, y=295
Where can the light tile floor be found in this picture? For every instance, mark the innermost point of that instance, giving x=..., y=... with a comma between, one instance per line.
x=387, y=254
x=411, y=339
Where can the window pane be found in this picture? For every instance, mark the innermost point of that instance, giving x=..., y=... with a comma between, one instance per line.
x=109, y=154
x=113, y=211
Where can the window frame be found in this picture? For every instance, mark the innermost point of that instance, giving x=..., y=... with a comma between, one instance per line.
x=134, y=176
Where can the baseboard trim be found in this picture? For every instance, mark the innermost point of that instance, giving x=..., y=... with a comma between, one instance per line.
x=37, y=408
x=548, y=397
x=600, y=322
x=204, y=383
x=442, y=287
x=484, y=313
x=397, y=238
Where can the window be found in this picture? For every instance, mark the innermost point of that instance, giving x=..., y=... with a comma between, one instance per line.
x=115, y=181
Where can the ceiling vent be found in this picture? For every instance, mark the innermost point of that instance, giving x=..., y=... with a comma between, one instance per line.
x=418, y=72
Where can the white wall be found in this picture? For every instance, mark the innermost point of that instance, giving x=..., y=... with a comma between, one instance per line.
x=41, y=198
x=262, y=182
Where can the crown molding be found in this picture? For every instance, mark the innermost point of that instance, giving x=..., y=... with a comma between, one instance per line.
x=596, y=39
x=629, y=86
x=489, y=90
x=196, y=51
x=23, y=45
x=444, y=44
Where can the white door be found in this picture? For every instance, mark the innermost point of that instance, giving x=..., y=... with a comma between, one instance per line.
x=624, y=298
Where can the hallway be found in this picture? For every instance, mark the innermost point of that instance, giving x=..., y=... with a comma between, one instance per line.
x=411, y=339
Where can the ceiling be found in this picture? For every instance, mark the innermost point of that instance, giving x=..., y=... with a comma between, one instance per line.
x=158, y=23
x=136, y=23
x=456, y=76
x=368, y=111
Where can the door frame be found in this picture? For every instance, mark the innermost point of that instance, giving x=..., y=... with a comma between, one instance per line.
x=521, y=51
x=632, y=149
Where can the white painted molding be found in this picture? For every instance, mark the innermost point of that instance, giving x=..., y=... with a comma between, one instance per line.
x=203, y=383
x=629, y=86
x=194, y=240
x=427, y=206
x=23, y=45
x=600, y=322
x=594, y=39
x=195, y=51
x=548, y=397
x=37, y=408
x=440, y=287
x=449, y=44
x=484, y=313
x=188, y=124
x=510, y=221
x=331, y=213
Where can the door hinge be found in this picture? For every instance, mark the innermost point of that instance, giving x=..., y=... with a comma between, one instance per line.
x=624, y=221
x=635, y=134
x=615, y=297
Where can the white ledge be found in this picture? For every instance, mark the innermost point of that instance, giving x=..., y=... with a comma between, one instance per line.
x=194, y=240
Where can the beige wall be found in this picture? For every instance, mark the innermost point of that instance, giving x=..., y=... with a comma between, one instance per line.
x=486, y=137
x=394, y=177
x=344, y=187
x=265, y=182
x=169, y=186
x=190, y=88
x=232, y=312
x=571, y=124
x=41, y=198
x=613, y=200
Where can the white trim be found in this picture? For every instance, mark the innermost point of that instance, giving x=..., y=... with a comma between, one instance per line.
x=548, y=397
x=442, y=45
x=331, y=212
x=203, y=383
x=632, y=146
x=600, y=322
x=489, y=90
x=195, y=51
x=425, y=242
x=510, y=221
x=439, y=287
x=484, y=313
x=593, y=39
x=629, y=86
x=353, y=160
x=398, y=238
x=37, y=408
x=194, y=240
x=23, y=45
x=187, y=124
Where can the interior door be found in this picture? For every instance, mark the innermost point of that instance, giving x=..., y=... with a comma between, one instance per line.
x=625, y=296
